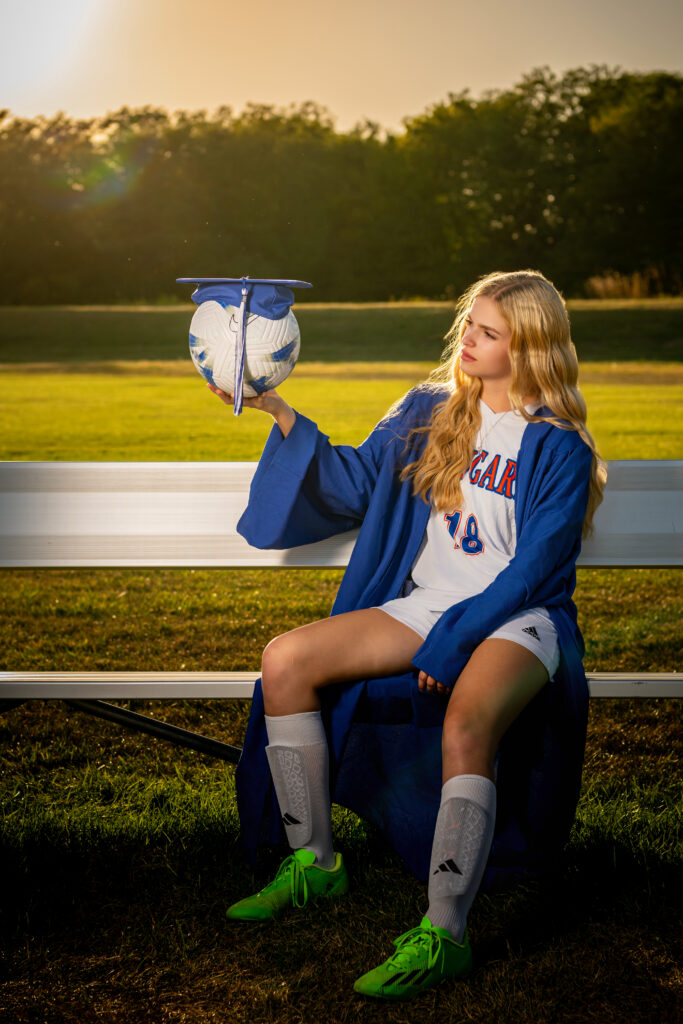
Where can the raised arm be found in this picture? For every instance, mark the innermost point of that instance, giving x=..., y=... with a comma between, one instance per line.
x=305, y=488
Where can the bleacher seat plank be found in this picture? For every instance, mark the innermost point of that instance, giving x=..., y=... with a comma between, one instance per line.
x=233, y=685
x=184, y=514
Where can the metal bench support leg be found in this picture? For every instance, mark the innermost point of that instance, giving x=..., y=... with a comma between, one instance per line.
x=162, y=730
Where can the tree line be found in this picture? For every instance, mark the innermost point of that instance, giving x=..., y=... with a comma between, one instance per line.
x=577, y=175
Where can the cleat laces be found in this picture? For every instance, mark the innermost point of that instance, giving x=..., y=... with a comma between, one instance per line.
x=415, y=940
x=297, y=881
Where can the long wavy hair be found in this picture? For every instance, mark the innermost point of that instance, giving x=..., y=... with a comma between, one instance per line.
x=544, y=366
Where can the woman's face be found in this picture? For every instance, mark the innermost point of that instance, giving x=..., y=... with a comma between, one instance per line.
x=486, y=344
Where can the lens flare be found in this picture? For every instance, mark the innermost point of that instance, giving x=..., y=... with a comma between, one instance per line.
x=94, y=177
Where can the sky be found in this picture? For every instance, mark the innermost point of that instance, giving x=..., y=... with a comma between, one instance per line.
x=380, y=60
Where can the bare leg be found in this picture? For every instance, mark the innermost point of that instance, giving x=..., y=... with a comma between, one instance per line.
x=355, y=645
x=497, y=683
x=499, y=680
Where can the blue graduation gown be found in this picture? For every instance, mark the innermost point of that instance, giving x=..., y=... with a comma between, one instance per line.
x=385, y=734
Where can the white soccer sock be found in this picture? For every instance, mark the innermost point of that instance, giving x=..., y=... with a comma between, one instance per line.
x=462, y=840
x=299, y=763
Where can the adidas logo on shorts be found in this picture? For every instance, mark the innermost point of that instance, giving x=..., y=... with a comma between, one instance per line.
x=532, y=632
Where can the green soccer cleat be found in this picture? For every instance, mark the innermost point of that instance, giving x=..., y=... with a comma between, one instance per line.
x=424, y=957
x=297, y=881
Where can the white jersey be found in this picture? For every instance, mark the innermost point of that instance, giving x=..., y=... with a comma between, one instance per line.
x=463, y=550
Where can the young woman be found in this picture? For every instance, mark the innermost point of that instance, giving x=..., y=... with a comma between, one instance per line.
x=454, y=615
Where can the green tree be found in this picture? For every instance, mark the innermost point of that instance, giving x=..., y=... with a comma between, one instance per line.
x=577, y=175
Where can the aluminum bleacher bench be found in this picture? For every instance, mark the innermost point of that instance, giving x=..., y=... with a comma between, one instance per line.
x=183, y=515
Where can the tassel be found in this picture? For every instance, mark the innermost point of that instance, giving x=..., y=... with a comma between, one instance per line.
x=240, y=352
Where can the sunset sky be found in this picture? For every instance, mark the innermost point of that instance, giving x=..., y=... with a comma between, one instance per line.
x=376, y=59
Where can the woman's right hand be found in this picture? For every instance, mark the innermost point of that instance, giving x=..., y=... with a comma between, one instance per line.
x=430, y=684
x=269, y=402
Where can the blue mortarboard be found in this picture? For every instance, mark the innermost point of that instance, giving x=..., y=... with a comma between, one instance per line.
x=267, y=297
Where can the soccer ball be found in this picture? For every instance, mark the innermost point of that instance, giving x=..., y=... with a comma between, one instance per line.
x=271, y=347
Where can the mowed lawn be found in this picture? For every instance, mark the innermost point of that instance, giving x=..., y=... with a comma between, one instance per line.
x=621, y=330
x=121, y=853
x=165, y=412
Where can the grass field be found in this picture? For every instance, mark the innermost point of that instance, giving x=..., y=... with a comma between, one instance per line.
x=121, y=853
x=605, y=331
x=164, y=413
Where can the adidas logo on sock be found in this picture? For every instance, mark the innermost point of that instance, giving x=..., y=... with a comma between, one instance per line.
x=448, y=865
x=289, y=819
x=532, y=631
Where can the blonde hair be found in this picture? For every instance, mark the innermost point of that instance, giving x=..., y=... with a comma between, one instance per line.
x=544, y=365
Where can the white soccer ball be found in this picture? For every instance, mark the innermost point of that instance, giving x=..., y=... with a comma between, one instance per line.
x=271, y=348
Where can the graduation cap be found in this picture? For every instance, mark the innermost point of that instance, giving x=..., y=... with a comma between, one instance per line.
x=267, y=297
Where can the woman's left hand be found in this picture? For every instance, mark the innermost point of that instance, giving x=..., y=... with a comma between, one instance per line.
x=430, y=684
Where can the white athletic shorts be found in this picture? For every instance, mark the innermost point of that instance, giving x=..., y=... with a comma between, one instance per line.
x=532, y=629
